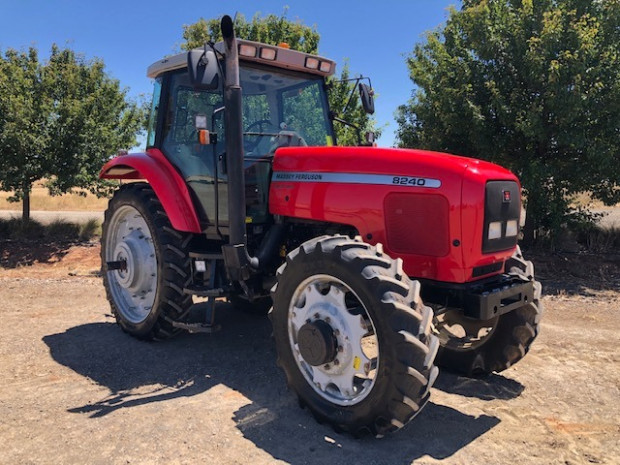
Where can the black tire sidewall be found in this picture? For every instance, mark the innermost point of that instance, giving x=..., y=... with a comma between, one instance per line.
x=134, y=197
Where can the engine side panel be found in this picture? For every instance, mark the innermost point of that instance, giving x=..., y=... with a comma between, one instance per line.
x=392, y=196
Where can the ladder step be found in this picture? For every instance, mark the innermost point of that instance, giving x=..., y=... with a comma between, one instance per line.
x=206, y=255
x=202, y=292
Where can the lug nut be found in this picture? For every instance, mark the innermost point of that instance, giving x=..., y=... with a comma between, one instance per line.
x=340, y=349
x=336, y=362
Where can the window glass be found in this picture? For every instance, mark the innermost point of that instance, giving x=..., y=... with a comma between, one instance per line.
x=180, y=142
x=282, y=108
x=303, y=111
x=150, y=140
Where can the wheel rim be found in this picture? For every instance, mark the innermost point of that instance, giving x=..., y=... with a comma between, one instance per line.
x=129, y=240
x=457, y=332
x=325, y=302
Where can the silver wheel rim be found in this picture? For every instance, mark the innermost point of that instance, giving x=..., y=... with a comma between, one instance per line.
x=349, y=378
x=133, y=288
x=457, y=332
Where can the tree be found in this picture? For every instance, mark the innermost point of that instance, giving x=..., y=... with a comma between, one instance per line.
x=531, y=84
x=273, y=29
x=59, y=120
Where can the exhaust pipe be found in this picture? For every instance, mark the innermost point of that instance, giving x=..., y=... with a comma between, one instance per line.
x=238, y=261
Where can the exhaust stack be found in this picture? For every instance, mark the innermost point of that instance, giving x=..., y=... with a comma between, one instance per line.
x=238, y=261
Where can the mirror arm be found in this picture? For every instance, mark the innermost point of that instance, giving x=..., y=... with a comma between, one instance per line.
x=351, y=125
x=353, y=89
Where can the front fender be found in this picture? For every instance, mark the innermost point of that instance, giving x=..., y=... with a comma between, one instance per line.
x=167, y=183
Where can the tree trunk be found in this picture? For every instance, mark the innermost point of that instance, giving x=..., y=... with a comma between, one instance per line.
x=528, y=232
x=26, y=204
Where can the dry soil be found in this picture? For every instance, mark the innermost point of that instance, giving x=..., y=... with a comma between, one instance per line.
x=74, y=389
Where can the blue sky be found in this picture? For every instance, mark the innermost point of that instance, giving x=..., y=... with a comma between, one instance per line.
x=130, y=35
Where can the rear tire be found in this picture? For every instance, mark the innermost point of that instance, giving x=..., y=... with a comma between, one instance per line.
x=509, y=337
x=353, y=336
x=146, y=297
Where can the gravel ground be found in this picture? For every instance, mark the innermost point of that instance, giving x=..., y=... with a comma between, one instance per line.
x=75, y=389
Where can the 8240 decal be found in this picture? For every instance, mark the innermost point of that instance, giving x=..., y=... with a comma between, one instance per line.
x=408, y=181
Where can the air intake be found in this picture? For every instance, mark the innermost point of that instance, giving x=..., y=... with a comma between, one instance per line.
x=417, y=224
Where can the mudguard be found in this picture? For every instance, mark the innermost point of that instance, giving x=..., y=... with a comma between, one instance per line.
x=168, y=184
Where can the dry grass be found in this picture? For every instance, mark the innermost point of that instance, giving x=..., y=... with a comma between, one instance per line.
x=58, y=230
x=584, y=200
x=41, y=200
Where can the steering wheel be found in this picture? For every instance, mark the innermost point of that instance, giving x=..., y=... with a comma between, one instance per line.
x=251, y=145
x=287, y=138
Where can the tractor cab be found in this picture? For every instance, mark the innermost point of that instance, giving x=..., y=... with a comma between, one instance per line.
x=284, y=104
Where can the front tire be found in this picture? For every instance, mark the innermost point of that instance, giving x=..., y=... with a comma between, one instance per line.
x=477, y=348
x=146, y=296
x=353, y=336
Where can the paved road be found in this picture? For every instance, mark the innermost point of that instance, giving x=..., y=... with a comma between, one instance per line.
x=47, y=217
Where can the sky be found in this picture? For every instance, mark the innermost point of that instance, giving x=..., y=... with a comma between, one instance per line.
x=374, y=37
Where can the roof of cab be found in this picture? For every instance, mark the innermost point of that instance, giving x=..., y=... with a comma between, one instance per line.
x=285, y=58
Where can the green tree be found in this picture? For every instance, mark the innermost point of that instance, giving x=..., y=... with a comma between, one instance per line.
x=273, y=29
x=59, y=120
x=531, y=84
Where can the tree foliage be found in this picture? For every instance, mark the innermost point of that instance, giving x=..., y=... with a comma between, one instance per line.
x=59, y=120
x=273, y=29
x=531, y=84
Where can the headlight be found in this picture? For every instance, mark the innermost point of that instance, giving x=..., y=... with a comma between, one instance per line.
x=312, y=63
x=495, y=230
x=268, y=53
x=512, y=228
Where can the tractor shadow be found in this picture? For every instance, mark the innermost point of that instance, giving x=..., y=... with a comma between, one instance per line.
x=16, y=253
x=242, y=357
x=490, y=387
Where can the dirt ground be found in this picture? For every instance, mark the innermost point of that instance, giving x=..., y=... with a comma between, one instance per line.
x=75, y=389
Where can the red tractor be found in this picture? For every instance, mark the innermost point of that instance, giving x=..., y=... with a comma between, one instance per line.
x=247, y=197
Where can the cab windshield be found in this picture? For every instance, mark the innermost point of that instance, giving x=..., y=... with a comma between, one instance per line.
x=282, y=109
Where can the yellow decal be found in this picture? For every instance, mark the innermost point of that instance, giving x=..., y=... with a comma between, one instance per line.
x=248, y=219
x=356, y=362
x=329, y=141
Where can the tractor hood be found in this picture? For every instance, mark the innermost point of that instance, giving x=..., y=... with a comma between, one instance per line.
x=380, y=161
x=426, y=207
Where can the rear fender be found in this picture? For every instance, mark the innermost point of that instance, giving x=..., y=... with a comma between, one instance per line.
x=167, y=183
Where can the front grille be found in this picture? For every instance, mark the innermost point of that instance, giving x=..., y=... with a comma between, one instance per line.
x=417, y=224
x=502, y=204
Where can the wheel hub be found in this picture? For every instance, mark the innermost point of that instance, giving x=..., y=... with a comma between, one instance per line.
x=331, y=341
x=133, y=252
x=317, y=343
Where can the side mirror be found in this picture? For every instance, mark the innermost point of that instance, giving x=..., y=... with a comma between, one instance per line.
x=368, y=102
x=204, y=72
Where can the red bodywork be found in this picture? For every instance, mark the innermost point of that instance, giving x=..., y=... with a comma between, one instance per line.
x=168, y=184
x=425, y=224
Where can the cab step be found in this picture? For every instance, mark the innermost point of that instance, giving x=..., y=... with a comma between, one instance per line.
x=200, y=291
